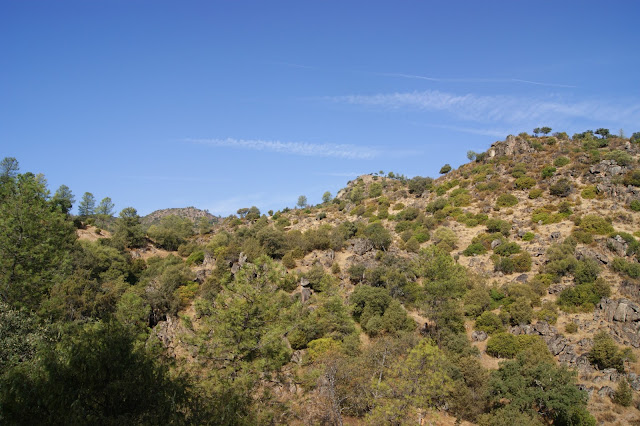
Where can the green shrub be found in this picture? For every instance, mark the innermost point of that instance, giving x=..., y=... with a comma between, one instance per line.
x=620, y=157
x=535, y=193
x=498, y=225
x=606, y=354
x=635, y=205
x=489, y=323
x=595, y=224
x=505, y=345
x=623, y=394
x=561, y=188
x=589, y=193
x=507, y=249
x=522, y=262
x=196, y=258
x=519, y=170
x=525, y=182
x=474, y=249
x=506, y=200
x=631, y=269
x=582, y=236
x=503, y=264
x=547, y=172
x=632, y=178
x=571, y=328
x=529, y=236
x=561, y=161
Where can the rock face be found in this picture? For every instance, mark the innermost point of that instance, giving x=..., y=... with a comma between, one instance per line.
x=624, y=318
x=558, y=344
x=479, y=336
x=510, y=147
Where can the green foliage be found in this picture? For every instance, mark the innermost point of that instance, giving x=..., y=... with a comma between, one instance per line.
x=520, y=311
x=507, y=249
x=302, y=201
x=473, y=249
x=489, y=323
x=561, y=161
x=36, y=239
x=623, y=394
x=506, y=200
x=445, y=169
x=445, y=238
x=632, y=178
x=528, y=236
x=171, y=232
x=620, y=157
x=535, y=193
x=635, y=205
x=379, y=236
x=98, y=377
x=129, y=232
x=595, y=224
x=476, y=301
x=533, y=390
x=571, y=328
x=562, y=188
x=195, y=258
x=498, y=225
x=525, y=182
x=506, y=345
x=87, y=205
x=631, y=269
x=589, y=192
x=547, y=172
x=63, y=198
x=606, y=354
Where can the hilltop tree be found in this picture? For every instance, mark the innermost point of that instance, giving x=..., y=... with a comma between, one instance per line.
x=302, y=201
x=105, y=207
x=635, y=137
x=471, y=155
x=87, y=205
x=9, y=167
x=545, y=130
x=63, y=198
x=445, y=169
x=604, y=133
x=326, y=197
x=536, y=131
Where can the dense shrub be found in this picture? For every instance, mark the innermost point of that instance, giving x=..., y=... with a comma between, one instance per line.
x=631, y=269
x=561, y=161
x=474, y=249
x=525, y=182
x=595, y=224
x=507, y=249
x=606, y=354
x=635, y=205
x=535, y=193
x=489, y=323
x=505, y=345
x=589, y=192
x=561, y=188
x=498, y=225
x=528, y=236
x=632, y=178
x=547, y=172
x=506, y=200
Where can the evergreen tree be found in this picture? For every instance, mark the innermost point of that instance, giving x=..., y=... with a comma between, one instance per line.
x=35, y=241
x=87, y=205
x=105, y=207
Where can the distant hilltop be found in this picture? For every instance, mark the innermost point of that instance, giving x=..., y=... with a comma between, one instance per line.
x=191, y=213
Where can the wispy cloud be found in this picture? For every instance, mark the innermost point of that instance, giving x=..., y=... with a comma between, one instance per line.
x=294, y=148
x=500, y=108
x=475, y=80
x=486, y=132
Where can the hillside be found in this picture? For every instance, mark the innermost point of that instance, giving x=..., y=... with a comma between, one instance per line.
x=505, y=290
x=190, y=213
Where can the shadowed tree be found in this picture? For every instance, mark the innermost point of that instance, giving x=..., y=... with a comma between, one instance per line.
x=87, y=205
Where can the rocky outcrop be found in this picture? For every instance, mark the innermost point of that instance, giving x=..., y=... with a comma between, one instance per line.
x=558, y=345
x=623, y=317
x=511, y=146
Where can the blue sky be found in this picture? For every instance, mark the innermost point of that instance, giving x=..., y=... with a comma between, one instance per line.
x=229, y=104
